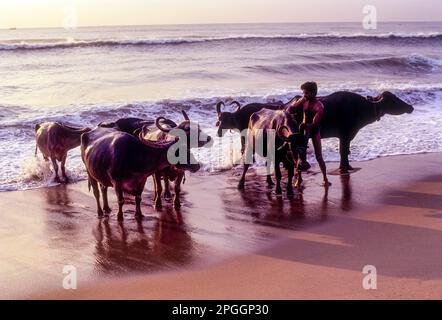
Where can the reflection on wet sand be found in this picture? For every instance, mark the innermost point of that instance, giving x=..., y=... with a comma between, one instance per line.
x=48, y=228
x=346, y=203
x=216, y=221
x=58, y=199
x=312, y=203
x=142, y=246
x=163, y=240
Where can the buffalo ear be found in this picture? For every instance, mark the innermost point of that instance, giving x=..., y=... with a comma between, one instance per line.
x=375, y=99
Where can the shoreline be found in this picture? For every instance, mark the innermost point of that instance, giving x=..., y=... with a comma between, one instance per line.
x=222, y=171
x=244, y=244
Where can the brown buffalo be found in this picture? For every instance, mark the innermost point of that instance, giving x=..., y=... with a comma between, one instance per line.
x=122, y=161
x=55, y=139
x=163, y=133
x=287, y=144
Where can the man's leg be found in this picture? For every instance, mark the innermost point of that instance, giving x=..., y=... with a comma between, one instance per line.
x=316, y=139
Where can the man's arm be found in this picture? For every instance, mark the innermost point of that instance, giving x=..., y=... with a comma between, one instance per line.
x=318, y=116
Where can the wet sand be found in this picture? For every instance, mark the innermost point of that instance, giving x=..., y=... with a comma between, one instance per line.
x=235, y=245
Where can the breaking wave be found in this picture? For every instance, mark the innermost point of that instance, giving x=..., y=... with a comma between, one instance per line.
x=43, y=44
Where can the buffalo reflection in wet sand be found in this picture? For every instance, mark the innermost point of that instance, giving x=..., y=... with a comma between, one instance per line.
x=140, y=246
x=169, y=239
x=311, y=204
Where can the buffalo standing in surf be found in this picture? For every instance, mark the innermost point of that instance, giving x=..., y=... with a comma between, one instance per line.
x=162, y=134
x=120, y=160
x=289, y=144
x=239, y=120
x=54, y=140
x=345, y=113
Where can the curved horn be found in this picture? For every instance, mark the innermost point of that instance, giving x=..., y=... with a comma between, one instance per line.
x=159, y=126
x=138, y=132
x=170, y=123
x=236, y=103
x=186, y=117
x=218, y=107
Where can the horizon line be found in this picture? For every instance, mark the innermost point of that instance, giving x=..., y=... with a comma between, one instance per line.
x=211, y=23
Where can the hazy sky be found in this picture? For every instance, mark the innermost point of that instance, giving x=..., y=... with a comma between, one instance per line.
x=56, y=13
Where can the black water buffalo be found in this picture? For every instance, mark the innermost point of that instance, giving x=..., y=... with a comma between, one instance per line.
x=132, y=125
x=128, y=125
x=55, y=139
x=239, y=119
x=123, y=161
x=345, y=113
x=288, y=144
x=172, y=173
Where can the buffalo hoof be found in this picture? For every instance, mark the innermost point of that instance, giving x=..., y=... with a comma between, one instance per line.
x=345, y=168
x=57, y=179
x=278, y=191
x=290, y=192
x=100, y=214
x=304, y=166
x=241, y=185
x=66, y=180
x=120, y=216
x=270, y=182
x=326, y=184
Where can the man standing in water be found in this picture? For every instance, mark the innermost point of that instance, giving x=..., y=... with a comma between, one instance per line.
x=313, y=109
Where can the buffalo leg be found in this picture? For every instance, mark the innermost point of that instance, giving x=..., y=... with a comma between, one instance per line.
x=291, y=172
x=243, y=177
x=138, y=214
x=243, y=144
x=158, y=190
x=176, y=199
x=106, y=207
x=269, y=180
x=167, y=194
x=120, y=197
x=298, y=183
x=344, y=150
x=63, y=168
x=55, y=165
x=278, y=177
x=94, y=185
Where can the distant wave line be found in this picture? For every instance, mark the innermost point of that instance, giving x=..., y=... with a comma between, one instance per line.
x=33, y=44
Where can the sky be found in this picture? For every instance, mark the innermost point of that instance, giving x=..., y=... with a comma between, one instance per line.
x=59, y=13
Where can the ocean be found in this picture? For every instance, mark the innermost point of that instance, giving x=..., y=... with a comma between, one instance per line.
x=87, y=75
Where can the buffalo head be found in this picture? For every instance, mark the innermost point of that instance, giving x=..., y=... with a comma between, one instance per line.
x=226, y=120
x=187, y=127
x=296, y=143
x=391, y=104
x=190, y=164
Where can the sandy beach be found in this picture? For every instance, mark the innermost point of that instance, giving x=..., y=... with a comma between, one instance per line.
x=226, y=244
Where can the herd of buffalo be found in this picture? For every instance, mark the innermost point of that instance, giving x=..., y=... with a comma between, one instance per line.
x=124, y=153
